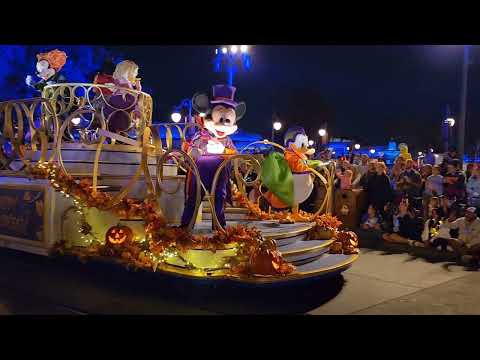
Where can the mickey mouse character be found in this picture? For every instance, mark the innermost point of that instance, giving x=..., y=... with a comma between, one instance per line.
x=48, y=69
x=209, y=146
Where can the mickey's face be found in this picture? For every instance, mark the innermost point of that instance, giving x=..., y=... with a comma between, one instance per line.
x=44, y=70
x=223, y=121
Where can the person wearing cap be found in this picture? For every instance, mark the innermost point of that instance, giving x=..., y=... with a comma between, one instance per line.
x=468, y=243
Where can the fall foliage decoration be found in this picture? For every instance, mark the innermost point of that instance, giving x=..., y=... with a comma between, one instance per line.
x=346, y=242
x=255, y=255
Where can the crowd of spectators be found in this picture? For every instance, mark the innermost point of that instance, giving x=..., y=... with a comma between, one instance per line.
x=420, y=205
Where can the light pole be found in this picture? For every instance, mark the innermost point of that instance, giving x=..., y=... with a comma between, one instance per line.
x=229, y=58
x=322, y=133
x=463, y=102
x=447, y=126
x=177, y=112
x=277, y=125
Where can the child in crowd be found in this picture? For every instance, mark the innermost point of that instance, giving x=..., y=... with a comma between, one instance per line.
x=434, y=234
x=434, y=183
x=435, y=204
x=387, y=218
x=345, y=179
x=371, y=220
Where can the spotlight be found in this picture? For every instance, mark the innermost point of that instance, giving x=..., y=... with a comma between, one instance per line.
x=348, y=148
x=310, y=142
x=234, y=49
x=277, y=125
x=372, y=151
x=224, y=50
x=243, y=48
x=357, y=146
x=216, y=51
x=322, y=132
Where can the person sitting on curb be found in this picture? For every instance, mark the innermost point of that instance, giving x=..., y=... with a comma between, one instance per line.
x=406, y=229
x=371, y=220
x=433, y=234
x=468, y=243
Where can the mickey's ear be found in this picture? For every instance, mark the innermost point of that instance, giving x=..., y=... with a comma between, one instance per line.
x=240, y=110
x=200, y=103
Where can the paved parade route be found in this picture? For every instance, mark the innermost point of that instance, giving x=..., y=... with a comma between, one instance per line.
x=378, y=283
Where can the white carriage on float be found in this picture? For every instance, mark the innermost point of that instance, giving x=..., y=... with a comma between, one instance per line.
x=71, y=126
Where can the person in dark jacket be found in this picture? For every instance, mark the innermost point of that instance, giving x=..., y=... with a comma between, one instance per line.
x=379, y=189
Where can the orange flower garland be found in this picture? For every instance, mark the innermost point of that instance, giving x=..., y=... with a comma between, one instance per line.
x=255, y=213
x=255, y=255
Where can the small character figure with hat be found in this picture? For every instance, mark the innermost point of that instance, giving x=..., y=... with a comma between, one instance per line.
x=288, y=177
x=210, y=146
x=48, y=69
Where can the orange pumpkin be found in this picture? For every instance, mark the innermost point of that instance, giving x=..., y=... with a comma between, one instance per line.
x=118, y=234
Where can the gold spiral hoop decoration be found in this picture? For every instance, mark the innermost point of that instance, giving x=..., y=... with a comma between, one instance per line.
x=69, y=97
x=13, y=130
x=58, y=147
x=216, y=224
x=264, y=142
x=193, y=167
x=326, y=176
x=240, y=180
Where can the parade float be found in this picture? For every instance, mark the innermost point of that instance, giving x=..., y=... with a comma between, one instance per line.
x=86, y=173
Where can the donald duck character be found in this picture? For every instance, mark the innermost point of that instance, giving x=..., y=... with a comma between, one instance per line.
x=289, y=178
x=211, y=145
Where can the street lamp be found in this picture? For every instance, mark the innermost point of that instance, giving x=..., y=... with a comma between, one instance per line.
x=177, y=112
x=447, y=127
x=322, y=132
x=277, y=125
x=230, y=60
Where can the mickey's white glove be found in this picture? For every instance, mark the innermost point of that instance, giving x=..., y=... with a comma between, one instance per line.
x=29, y=80
x=195, y=153
x=215, y=147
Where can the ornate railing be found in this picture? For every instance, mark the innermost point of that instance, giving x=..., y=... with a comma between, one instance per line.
x=118, y=110
x=83, y=113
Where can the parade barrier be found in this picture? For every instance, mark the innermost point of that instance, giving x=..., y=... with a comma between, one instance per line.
x=83, y=173
x=350, y=206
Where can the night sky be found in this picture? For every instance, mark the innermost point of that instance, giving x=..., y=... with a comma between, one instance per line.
x=377, y=92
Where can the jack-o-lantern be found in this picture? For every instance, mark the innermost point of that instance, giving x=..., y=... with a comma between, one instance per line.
x=118, y=234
